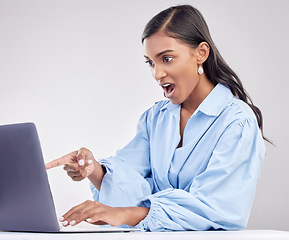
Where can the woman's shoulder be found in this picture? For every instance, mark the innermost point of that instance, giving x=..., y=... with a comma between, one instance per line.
x=240, y=110
x=157, y=107
x=149, y=116
x=221, y=103
x=153, y=112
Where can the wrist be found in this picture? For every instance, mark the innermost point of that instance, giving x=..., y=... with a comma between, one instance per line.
x=134, y=215
x=97, y=175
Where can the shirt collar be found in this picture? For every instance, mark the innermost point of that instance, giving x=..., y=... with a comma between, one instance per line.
x=216, y=101
x=212, y=105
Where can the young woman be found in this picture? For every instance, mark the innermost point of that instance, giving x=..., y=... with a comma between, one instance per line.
x=196, y=157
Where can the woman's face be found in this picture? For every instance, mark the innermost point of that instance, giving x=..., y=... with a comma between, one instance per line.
x=174, y=65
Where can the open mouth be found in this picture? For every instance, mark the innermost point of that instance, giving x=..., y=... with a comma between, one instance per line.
x=169, y=89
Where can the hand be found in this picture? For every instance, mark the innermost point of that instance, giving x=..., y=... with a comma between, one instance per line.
x=100, y=214
x=78, y=164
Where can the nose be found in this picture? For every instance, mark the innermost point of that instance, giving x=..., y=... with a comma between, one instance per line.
x=159, y=73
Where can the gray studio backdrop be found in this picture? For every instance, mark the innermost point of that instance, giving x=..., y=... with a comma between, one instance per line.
x=76, y=69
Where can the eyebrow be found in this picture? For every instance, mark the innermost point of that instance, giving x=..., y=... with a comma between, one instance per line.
x=161, y=53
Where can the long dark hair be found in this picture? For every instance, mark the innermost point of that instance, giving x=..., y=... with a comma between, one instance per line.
x=187, y=24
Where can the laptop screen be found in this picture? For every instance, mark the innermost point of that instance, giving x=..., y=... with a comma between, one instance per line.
x=25, y=198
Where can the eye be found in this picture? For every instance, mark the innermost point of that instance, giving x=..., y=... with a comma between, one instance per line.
x=150, y=63
x=167, y=59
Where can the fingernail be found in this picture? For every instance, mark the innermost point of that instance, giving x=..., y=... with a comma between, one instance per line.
x=61, y=219
x=88, y=219
x=65, y=223
x=72, y=222
x=81, y=162
x=90, y=162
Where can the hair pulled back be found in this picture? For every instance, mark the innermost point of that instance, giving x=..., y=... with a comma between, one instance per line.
x=187, y=24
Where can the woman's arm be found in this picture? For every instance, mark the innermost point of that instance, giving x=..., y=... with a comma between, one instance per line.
x=97, y=175
x=125, y=181
x=97, y=213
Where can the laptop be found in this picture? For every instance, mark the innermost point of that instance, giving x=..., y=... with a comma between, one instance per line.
x=26, y=202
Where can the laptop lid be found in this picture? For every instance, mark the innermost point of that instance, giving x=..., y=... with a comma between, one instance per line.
x=25, y=198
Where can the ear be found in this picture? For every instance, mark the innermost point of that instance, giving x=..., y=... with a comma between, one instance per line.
x=203, y=51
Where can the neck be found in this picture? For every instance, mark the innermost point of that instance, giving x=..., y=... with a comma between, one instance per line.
x=201, y=91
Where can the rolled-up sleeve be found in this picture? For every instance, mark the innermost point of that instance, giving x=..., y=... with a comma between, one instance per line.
x=221, y=196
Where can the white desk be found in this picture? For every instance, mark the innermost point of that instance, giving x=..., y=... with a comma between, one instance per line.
x=207, y=235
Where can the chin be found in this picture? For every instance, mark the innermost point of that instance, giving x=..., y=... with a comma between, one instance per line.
x=176, y=102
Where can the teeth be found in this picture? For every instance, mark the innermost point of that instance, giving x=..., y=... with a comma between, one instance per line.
x=166, y=85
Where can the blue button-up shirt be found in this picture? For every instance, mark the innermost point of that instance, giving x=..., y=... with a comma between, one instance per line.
x=208, y=183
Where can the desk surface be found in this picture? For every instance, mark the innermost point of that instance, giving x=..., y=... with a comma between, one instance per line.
x=195, y=235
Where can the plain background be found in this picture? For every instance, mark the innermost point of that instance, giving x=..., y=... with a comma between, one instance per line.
x=76, y=69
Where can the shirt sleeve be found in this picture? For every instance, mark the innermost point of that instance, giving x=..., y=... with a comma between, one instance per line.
x=221, y=196
x=127, y=178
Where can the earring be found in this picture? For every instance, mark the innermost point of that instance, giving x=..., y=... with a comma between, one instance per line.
x=200, y=70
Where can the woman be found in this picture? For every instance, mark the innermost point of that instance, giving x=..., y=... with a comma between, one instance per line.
x=195, y=160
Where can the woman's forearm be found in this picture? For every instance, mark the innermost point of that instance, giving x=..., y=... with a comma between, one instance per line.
x=135, y=214
x=97, y=175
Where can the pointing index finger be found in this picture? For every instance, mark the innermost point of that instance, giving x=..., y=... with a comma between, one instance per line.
x=69, y=158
